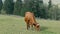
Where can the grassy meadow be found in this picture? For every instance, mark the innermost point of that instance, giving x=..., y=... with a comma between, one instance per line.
x=10, y=24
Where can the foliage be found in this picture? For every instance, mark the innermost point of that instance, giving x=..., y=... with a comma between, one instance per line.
x=1, y=4
x=17, y=7
x=50, y=4
x=54, y=13
x=8, y=6
x=38, y=7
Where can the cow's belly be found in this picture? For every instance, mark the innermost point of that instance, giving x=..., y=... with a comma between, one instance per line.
x=31, y=22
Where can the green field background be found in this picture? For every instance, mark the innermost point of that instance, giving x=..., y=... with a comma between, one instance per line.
x=10, y=24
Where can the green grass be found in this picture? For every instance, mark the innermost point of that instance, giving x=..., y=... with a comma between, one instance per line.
x=16, y=25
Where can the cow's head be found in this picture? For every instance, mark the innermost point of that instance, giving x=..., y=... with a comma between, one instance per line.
x=37, y=26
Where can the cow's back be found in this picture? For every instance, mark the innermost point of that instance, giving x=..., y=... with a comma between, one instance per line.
x=29, y=17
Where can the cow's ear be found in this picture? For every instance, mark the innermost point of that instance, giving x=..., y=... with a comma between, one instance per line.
x=37, y=25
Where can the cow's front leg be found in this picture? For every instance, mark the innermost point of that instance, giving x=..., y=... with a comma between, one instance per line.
x=28, y=26
x=32, y=27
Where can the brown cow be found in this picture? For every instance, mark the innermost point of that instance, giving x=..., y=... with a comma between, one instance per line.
x=30, y=20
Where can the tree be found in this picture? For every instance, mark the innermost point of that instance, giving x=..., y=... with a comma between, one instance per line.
x=50, y=4
x=1, y=4
x=36, y=6
x=54, y=12
x=39, y=8
x=18, y=7
x=50, y=8
x=27, y=4
x=8, y=6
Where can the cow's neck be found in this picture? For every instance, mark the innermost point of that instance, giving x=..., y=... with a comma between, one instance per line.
x=34, y=24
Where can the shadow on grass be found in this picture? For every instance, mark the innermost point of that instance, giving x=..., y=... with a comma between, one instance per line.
x=42, y=28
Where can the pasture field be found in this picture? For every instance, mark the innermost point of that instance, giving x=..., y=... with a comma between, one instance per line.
x=16, y=25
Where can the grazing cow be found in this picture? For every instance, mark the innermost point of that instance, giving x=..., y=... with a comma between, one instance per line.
x=30, y=21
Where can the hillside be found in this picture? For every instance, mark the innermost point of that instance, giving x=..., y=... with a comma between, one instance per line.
x=16, y=25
